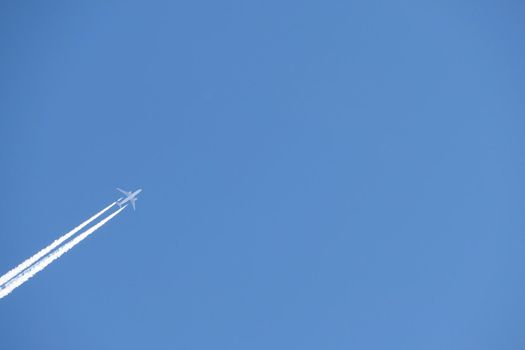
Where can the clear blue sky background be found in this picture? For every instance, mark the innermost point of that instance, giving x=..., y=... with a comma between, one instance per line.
x=316, y=175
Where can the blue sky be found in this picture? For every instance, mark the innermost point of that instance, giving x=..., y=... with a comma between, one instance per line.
x=316, y=175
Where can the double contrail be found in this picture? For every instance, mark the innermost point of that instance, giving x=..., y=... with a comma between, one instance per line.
x=30, y=268
x=30, y=261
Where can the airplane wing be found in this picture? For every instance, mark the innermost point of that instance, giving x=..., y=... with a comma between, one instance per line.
x=126, y=193
x=133, y=202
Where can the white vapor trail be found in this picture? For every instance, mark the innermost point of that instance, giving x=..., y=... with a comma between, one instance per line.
x=39, y=266
x=30, y=261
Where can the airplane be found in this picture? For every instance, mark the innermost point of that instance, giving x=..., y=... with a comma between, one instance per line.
x=130, y=197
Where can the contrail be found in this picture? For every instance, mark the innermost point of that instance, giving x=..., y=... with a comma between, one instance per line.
x=33, y=270
x=30, y=261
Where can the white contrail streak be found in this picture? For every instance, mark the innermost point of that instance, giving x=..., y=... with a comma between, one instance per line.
x=39, y=266
x=30, y=261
